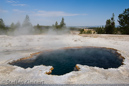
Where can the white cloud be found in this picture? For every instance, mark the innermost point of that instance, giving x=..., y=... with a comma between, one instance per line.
x=53, y=14
x=19, y=4
x=15, y=3
x=18, y=11
x=11, y=1
x=3, y=11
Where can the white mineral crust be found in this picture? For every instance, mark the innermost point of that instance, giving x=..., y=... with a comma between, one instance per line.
x=16, y=47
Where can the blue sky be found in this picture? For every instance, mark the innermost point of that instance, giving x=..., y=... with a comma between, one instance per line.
x=75, y=12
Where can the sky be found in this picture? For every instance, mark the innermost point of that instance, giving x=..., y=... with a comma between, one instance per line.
x=74, y=12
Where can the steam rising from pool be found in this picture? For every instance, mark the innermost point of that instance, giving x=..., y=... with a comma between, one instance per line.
x=64, y=60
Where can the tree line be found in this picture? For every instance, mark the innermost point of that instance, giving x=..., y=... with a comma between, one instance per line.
x=27, y=28
x=61, y=25
x=110, y=28
x=15, y=27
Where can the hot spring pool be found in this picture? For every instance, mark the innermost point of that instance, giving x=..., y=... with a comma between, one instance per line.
x=64, y=60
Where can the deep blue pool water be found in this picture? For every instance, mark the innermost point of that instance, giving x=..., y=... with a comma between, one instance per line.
x=64, y=60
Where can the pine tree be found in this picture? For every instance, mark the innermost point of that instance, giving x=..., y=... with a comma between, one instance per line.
x=2, y=26
x=123, y=20
x=110, y=25
x=26, y=22
x=18, y=25
x=62, y=24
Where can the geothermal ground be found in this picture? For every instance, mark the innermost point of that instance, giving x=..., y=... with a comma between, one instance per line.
x=16, y=47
